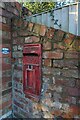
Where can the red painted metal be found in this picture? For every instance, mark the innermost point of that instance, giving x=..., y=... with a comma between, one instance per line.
x=32, y=69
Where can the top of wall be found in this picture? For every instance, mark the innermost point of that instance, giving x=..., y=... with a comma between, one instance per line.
x=65, y=18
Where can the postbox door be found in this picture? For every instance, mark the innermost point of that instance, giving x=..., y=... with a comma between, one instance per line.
x=32, y=80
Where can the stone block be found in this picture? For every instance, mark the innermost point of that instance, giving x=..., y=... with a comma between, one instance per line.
x=53, y=55
x=47, y=62
x=17, y=54
x=36, y=29
x=50, y=33
x=59, y=35
x=30, y=26
x=71, y=54
x=43, y=30
x=47, y=45
x=70, y=73
x=59, y=45
x=2, y=5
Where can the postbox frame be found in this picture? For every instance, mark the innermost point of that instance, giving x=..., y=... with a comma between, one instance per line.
x=35, y=49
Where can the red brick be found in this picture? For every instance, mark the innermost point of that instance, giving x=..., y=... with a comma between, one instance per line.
x=68, y=42
x=70, y=73
x=6, y=79
x=47, y=62
x=78, y=83
x=15, y=11
x=25, y=24
x=58, y=35
x=47, y=70
x=73, y=91
x=47, y=45
x=6, y=66
x=28, y=40
x=31, y=39
x=59, y=46
x=14, y=34
x=24, y=33
x=5, y=27
x=75, y=110
x=0, y=108
x=18, y=6
x=6, y=103
x=36, y=29
x=5, y=13
x=69, y=36
x=30, y=26
x=6, y=35
x=65, y=63
x=43, y=30
x=0, y=26
x=35, y=39
x=50, y=33
x=53, y=55
x=18, y=40
x=71, y=100
x=76, y=44
x=71, y=54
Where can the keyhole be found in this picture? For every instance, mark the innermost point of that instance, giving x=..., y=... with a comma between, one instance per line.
x=30, y=67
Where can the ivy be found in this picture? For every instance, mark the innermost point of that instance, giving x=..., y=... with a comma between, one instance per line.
x=38, y=7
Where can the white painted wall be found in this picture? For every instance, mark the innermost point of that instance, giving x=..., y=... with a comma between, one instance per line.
x=58, y=16
x=78, y=23
x=65, y=19
x=73, y=19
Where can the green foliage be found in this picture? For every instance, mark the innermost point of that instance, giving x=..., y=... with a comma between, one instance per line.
x=38, y=7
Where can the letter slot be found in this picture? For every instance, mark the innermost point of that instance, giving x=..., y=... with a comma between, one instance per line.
x=32, y=70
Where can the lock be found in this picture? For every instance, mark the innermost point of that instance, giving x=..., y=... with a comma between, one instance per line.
x=32, y=69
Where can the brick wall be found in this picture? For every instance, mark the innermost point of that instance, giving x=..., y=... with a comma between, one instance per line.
x=60, y=92
x=7, y=11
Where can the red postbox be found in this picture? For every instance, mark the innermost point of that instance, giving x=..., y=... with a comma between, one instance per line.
x=32, y=69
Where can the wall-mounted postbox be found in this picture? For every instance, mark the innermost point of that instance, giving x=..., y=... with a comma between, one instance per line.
x=32, y=69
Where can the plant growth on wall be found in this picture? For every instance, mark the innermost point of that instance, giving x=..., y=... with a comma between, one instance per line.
x=38, y=7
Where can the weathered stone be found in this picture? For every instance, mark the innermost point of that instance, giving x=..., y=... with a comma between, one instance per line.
x=57, y=105
x=47, y=45
x=53, y=55
x=2, y=5
x=42, y=30
x=28, y=40
x=48, y=115
x=36, y=29
x=20, y=47
x=46, y=70
x=50, y=33
x=71, y=54
x=15, y=48
x=17, y=54
x=47, y=62
x=48, y=102
x=56, y=96
x=70, y=73
x=58, y=36
x=30, y=26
